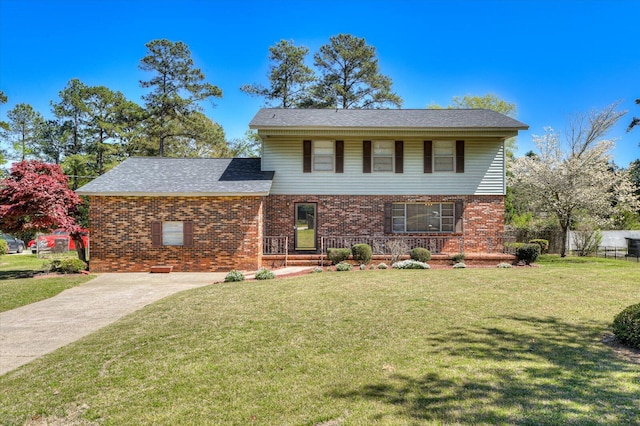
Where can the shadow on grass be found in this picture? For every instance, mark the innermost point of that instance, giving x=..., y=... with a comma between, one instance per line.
x=19, y=273
x=536, y=371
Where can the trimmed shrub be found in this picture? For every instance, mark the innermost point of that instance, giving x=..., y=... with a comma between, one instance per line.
x=317, y=270
x=4, y=248
x=420, y=254
x=234, y=276
x=382, y=265
x=68, y=266
x=363, y=266
x=372, y=267
x=626, y=326
x=459, y=265
x=512, y=247
x=544, y=244
x=410, y=264
x=265, y=274
x=504, y=265
x=343, y=266
x=362, y=253
x=528, y=253
x=337, y=255
x=457, y=258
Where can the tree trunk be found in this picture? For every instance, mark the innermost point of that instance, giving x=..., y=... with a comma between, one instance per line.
x=80, y=248
x=564, y=225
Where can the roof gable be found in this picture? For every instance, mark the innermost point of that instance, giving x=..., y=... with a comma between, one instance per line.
x=157, y=176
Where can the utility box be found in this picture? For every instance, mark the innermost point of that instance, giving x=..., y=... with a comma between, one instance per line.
x=633, y=247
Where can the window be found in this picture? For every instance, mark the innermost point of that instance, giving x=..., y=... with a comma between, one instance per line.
x=422, y=217
x=382, y=156
x=172, y=233
x=323, y=153
x=443, y=154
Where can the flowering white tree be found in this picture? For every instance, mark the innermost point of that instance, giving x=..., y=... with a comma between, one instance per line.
x=578, y=179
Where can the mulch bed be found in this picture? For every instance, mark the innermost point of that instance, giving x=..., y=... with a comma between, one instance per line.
x=629, y=354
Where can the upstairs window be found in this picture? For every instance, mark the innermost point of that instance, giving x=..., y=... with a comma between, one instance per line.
x=443, y=154
x=323, y=155
x=382, y=156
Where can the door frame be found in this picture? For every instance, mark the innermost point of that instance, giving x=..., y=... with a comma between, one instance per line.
x=314, y=228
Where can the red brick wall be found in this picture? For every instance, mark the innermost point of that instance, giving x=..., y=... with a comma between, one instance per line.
x=227, y=233
x=352, y=215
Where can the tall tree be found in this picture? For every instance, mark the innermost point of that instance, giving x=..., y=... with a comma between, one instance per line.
x=104, y=127
x=635, y=121
x=177, y=88
x=4, y=128
x=23, y=129
x=199, y=138
x=36, y=196
x=52, y=139
x=71, y=107
x=488, y=101
x=289, y=77
x=564, y=182
x=3, y=100
x=248, y=146
x=350, y=76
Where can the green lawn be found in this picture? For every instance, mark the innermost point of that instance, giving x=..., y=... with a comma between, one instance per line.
x=16, y=292
x=468, y=346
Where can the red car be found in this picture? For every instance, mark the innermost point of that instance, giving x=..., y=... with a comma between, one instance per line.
x=59, y=240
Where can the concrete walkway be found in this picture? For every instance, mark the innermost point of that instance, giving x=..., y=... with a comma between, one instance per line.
x=31, y=331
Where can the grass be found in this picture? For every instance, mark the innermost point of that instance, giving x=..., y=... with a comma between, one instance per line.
x=473, y=346
x=16, y=292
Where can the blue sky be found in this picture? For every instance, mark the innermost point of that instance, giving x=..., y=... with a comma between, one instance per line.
x=551, y=58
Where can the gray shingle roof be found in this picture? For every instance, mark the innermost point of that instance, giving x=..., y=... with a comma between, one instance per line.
x=156, y=176
x=384, y=118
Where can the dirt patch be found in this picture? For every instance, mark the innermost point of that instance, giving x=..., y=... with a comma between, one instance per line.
x=630, y=354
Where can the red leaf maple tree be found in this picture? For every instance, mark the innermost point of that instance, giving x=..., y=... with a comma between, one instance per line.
x=36, y=196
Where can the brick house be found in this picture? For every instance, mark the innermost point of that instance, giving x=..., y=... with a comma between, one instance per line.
x=326, y=178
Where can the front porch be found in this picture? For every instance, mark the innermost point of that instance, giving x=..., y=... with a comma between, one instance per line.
x=276, y=251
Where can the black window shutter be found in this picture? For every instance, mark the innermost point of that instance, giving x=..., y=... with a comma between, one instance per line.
x=187, y=234
x=428, y=156
x=306, y=156
x=156, y=234
x=339, y=156
x=458, y=212
x=399, y=157
x=388, y=227
x=459, y=156
x=366, y=156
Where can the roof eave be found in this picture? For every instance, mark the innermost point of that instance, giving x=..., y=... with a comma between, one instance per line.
x=173, y=194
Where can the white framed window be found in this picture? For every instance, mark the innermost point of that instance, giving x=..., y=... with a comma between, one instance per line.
x=323, y=156
x=172, y=233
x=421, y=217
x=443, y=156
x=382, y=156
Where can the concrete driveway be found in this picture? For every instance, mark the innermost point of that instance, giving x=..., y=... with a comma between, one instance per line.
x=31, y=331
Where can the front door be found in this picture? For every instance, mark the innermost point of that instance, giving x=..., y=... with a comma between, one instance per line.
x=305, y=226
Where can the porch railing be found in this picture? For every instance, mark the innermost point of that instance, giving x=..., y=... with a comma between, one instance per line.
x=279, y=245
x=381, y=245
